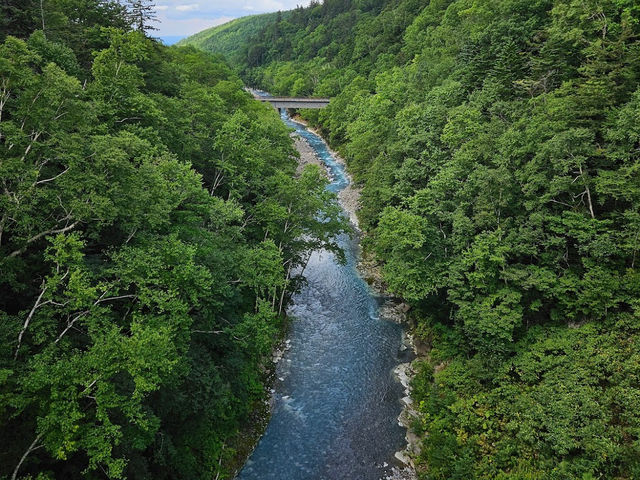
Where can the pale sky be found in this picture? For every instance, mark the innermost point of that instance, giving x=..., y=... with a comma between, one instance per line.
x=186, y=17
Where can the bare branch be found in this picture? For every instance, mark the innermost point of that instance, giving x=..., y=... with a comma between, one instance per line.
x=561, y=203
x=36, y=135
x=133, y=232
x=29, y=317
x=246, y=222
x=100, y=300
x=220, y=461
x=40, y=235
x=40, y=182
x=44, y=32
x=588, y=192
x=90, y=385
x=3, y=222
x=217, y=181
x=70, y=324
x=34, y=446
x=128, y=118
x=4, y=97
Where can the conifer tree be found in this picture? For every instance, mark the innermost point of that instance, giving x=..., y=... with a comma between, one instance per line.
x=142, y=14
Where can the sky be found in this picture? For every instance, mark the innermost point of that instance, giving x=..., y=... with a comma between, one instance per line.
x=180, y=18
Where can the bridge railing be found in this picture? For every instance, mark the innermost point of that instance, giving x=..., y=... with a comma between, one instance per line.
x=295, y=102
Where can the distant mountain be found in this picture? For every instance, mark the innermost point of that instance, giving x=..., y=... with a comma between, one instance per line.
x=230, y=39
x=171, y=39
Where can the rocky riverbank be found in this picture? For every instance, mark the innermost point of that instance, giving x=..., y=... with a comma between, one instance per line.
x=394, y=309
x=307, y=155
x=248, y=436
x=348, y=197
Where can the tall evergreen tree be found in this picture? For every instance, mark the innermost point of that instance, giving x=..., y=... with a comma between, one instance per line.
x=17, y=17
x=142, y=14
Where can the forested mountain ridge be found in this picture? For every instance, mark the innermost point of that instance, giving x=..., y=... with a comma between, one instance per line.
x=230, y=39
x=497, y=144
x=150, y=222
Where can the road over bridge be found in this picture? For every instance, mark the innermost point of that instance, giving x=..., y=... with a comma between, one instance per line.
x=294, y=102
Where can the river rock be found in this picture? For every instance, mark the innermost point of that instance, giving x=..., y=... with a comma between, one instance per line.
x=403, y=458
x=404, y=373
x=406, y=473
x=307, y=155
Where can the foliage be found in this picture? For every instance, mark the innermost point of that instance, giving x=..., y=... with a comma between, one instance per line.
x=229, y=39
x=151, y=230
x=497, y=146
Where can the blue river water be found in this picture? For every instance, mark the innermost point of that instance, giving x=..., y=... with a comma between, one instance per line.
x=336, y=400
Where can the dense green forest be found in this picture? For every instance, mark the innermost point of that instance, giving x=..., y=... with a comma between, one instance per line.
x=498, y=146
x=150, y=225
x=230, y=39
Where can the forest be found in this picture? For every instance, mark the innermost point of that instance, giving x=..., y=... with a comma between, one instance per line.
x=497, y=144
x=151, y=235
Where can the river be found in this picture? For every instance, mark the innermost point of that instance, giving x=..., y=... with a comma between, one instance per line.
x=335, y=400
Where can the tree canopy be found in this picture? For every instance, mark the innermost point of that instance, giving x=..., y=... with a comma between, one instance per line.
x=497, y=146
x=151, y=230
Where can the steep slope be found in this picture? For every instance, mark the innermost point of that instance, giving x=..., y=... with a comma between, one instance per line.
x=497, y=146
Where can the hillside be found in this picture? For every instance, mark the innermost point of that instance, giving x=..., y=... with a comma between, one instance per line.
x=497, y=146
x=230, y=39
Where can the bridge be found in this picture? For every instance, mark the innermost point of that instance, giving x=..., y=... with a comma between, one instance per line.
x=294, y=102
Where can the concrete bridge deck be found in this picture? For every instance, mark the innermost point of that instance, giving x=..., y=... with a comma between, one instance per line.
x=294, y=102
